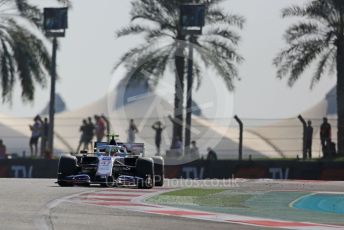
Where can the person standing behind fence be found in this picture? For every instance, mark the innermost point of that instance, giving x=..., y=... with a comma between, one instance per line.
x=35, y=134
x=177, y=147
x=309, y=139
x=108, y=125
x=44, y=136
x=89, y=132
x=132, y=131
x=99, y=128
x=2, y=150
x=325, y=135
x=83, y=137
x=158, y=127
x=194, y=151
x=212, y=156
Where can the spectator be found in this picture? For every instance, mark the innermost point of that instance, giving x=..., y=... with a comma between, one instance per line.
x=99, y=128
x=176, y=148
x=108, y=125
x=2, y=150
x=309, y=139
x=178, y=144
x=194, y=151
x=83, y=137
x=212, y=156
x=44, y=134
x=330, y=150
x=35, y=135
x=325, y=135
x=132, y=131
x=158, y=127
x=89, y=132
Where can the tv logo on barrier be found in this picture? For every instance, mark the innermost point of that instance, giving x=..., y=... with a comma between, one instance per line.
x=277, y=173
x=193, y=173
x=21, y=171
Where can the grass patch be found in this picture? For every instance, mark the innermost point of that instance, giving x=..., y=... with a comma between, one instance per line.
x=217, y=198
x=228, y=201
x=194, y=192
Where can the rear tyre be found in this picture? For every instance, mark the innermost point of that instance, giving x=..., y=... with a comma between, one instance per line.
x=159, y=171
x=67, y=166
x=145, y=170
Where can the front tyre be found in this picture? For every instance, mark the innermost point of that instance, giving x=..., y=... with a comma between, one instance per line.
x=67, y=167
x=145, y=171
x=159, y=171
x=110, y=182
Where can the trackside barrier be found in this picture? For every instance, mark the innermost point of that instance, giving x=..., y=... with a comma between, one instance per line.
x=28, y=168
x=298, y=170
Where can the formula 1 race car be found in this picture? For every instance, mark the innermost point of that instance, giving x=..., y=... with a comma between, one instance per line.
x=118, y=164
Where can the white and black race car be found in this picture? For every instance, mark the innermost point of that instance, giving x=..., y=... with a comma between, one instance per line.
x=111, y=165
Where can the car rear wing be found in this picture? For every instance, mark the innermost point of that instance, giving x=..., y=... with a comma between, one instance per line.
x=132, y=148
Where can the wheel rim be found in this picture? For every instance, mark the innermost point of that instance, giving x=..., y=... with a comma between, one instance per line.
x=110, y=181
x=149, y=181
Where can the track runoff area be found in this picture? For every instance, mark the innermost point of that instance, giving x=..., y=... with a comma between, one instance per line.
x=185, y=204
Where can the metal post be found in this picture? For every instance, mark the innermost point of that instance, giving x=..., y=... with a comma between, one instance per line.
x=189, y=98
x=52, y=98
x=241, y=128
x=304, y=124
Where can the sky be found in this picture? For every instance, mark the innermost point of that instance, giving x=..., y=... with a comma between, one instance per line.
x=90, y=50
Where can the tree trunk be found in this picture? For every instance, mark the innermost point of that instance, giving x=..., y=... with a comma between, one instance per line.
x=340, y=95
x=179, y=91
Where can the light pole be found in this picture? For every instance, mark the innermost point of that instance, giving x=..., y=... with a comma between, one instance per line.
x=189, y=97
x=192, y=20
x=55, y=25
x=52, y=98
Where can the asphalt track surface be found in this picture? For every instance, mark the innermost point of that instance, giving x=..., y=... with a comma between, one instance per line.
x=40, y=204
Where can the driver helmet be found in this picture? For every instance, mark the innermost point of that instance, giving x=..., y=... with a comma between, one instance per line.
x=110, y=150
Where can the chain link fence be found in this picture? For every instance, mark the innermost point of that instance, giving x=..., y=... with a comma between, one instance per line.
x=262, y=138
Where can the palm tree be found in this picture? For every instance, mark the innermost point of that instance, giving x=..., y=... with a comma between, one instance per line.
x=158, y=21
x=23, y=55
x=319, y=38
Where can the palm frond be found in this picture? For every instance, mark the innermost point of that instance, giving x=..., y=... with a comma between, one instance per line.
x=30, y=12
x=31, y=60
x=152, y=11
x=23, y=54
x=297, y=58
x=224, y=33
x=320, y=10
x=134, y=53
x=216, y=15
x=132, y=30
x=314, y=38
x=324, y=63
x=222, y=49
x=301, y=30
x=158, y=34
x=224, y=68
